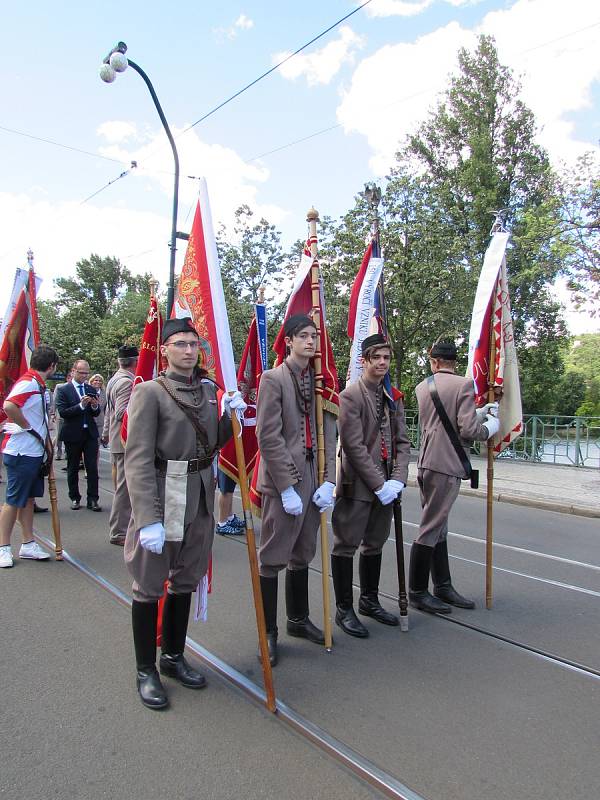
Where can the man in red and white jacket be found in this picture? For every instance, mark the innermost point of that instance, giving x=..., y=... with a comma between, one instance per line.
x=24, y=444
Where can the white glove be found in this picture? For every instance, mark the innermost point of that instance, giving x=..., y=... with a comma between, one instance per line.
x=233, y=402
x=323, y=497
x=292, y=502
x=488, y=408
x=492, y=424
x=152, y=537
x=397, y=485
x=387, y=494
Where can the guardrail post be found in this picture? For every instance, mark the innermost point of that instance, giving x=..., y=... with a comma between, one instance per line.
x=577, y=442
x=533, y=438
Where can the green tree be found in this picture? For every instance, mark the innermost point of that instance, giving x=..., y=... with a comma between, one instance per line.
x=103, y=307
x=571, y=393
x=250, y=256
x=584, y=355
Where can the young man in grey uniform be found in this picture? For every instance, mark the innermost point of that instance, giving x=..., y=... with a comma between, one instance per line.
x=118, y=392
x=374, y=469
x=175, y=428
x=440, y=472
x=291, y=498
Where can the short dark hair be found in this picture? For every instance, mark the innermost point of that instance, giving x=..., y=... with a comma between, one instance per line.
x=127, y=362
x=43, y=357
x=370, y=351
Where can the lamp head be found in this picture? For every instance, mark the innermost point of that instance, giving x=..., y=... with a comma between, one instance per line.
x=107, y=73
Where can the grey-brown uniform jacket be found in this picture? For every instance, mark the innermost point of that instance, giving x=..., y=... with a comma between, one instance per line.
x=362, y=469
x=457, y=395
x=158, y=428
x=118, y=392
x=281, y=433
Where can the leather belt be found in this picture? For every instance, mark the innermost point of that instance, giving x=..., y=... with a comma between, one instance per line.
x=194, y=464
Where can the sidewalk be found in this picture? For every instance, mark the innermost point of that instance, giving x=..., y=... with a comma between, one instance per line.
x=568, y=490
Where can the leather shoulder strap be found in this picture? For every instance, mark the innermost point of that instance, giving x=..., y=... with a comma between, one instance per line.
x=448, y=427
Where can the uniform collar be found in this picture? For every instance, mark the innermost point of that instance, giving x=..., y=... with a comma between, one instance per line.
x=177, y=377
x=296, y=368
x=372, y=386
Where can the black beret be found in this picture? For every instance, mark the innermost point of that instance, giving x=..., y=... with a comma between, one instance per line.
x=128, y=351
x=182, y=325
x=376, y=339
x=295, y=323
x=445, y=350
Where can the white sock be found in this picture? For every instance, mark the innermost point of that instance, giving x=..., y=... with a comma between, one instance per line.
x=229, y=519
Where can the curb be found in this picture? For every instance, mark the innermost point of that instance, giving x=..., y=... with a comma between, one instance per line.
x=531, y=502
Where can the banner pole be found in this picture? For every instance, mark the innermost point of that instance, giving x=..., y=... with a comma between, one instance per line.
x=251, y=545
x=489, y=532
x=55, y=515
x=312, y=218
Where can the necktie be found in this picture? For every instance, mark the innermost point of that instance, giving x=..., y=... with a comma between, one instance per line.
x=81, y=391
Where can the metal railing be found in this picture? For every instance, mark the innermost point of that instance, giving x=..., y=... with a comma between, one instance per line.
x=546, y=438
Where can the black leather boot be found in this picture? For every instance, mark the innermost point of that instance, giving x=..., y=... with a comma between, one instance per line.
x=268, y=589
x=151, y=691
x=418, y=593
x=176, y=613
x=296, y=601
x=442, y=583
x=341, y=569
x=369, y=570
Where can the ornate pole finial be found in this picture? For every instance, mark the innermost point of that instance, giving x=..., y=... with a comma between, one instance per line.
x=30, y=257
x=153, y=283
x=498, y=225
x=312, y=215
x=261, y=295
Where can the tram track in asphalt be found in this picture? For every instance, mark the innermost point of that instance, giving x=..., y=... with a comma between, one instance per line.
x=363, y=768
x=546, y=655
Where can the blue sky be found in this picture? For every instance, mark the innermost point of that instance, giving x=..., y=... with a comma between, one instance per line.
x=374, y=77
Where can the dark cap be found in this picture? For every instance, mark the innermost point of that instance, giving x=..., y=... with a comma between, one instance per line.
x=445, y=350
x=182, y=325
x=128, y=351
x=375, y=340
x=295, y=323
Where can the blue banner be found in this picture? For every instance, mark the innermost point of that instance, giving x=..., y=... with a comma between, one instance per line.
x=261, y=327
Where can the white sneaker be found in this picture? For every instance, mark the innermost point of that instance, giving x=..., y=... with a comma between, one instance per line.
x=6, y=559
x=33, y=550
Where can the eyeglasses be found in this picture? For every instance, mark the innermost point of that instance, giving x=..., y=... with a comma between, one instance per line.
x=181, y=345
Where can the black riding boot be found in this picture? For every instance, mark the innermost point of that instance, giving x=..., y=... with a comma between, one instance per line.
x=143, y=618
x=296, y=601
x=341, y=569
x=268, y=589
x=418, y=593
x=176, y=613
x=442, y=583
x=369, y=570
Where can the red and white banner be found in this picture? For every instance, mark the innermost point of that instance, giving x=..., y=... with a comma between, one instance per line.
x=248, y=377
x=491, y=316
x=362, y=321
x=200, y=294
x=300, y=302
x=21, y=333
x=149, y=358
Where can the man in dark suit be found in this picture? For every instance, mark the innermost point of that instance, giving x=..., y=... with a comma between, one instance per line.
x=77, y=404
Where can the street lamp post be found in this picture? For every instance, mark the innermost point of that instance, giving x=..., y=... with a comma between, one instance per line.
x=116, y=61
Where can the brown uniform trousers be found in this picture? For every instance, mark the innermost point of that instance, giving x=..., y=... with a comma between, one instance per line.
x=358, y=516
x=439, y=468
x=286, y=540
x=118, y=392
x=158, y=428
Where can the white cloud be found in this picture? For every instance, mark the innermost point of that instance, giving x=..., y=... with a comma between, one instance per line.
x=322, y=65
x=61, y=233
x=406, y=8
x=399, y=84
x=557, y=76
x=243, y=22
x=115, y=131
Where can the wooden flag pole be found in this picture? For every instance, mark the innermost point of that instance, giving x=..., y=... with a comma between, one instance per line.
x=312, y=217
x=55, y=516
x=489, y=532
x=251, y=544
